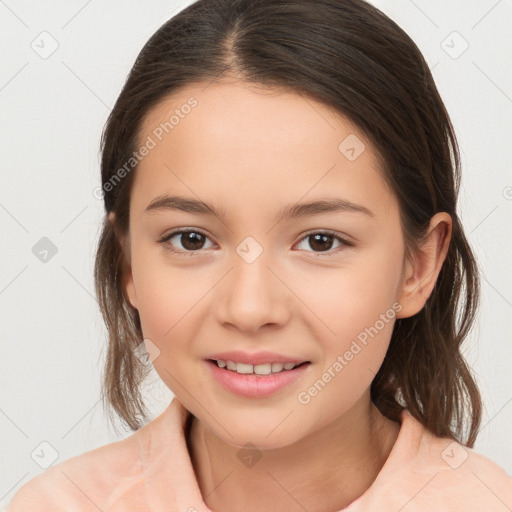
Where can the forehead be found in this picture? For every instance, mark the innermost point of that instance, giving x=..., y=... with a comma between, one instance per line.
x=268, y=144
x=246, y=113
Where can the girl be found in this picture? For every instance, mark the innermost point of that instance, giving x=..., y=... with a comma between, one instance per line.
x=280, y=183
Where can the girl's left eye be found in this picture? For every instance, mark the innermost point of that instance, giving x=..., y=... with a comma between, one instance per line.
x=192, y=240
x=323, y=241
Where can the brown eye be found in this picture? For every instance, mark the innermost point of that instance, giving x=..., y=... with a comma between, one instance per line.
x=185, y=241
x=192, y=240
x=322, y=242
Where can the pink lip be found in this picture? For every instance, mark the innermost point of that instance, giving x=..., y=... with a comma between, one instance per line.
x=239, y=356
x=255, y=386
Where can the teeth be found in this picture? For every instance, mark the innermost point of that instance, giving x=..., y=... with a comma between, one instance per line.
x=263, y=369
x=244, y=368
x=277, y=367
x=258, y=369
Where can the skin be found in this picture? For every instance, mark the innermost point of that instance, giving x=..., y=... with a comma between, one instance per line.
x=251, y=151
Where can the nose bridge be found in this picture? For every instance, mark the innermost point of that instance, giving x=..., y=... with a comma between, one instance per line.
x=253, y=295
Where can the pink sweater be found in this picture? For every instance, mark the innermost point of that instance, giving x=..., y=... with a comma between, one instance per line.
x=151, y=471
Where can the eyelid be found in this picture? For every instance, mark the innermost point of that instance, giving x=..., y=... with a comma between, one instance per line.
x=335, y=234
x=177, y=231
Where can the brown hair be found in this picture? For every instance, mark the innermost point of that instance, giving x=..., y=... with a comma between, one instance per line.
x=349, y=56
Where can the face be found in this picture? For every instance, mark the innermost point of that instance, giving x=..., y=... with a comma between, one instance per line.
x=319, y=284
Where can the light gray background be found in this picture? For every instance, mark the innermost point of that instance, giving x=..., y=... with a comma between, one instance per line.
x=53, y=110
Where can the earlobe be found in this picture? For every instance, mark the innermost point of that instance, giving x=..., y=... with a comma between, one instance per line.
x=126, y=269
x=422, y=269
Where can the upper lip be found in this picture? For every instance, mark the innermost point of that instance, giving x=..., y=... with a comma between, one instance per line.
x=239, y=356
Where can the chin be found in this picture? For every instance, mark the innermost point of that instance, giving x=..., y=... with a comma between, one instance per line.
x=269, y=433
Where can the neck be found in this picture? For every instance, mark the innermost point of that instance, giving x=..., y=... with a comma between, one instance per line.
x=326, y=470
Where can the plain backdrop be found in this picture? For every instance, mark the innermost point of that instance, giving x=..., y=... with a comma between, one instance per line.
x=63, y=65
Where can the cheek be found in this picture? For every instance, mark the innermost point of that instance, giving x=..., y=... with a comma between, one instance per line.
x=359, y=307
x=167, y=298
x=168, y=318
x=353, y=297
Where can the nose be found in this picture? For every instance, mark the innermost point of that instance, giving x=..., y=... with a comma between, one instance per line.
x=253, y=295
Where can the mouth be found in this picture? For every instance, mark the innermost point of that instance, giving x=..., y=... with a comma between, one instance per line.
x=260, y=370
x=256, y=381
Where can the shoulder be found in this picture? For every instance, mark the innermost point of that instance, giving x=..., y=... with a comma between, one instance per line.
x=85, y=482
x=467, y=478
x=426, y=472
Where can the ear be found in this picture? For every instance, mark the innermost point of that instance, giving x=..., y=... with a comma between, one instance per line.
x=126, y=268
x=422, y=268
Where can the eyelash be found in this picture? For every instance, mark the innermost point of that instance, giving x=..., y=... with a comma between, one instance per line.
x=165, y=241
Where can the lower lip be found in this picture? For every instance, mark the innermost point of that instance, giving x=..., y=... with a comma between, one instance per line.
x=256, y=386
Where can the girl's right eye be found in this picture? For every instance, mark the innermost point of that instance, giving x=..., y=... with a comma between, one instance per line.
x=191, y=240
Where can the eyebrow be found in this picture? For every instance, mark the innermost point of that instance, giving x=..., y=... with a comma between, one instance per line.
x=292, y=211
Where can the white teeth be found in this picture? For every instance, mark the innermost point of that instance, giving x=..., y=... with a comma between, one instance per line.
x=277, y=367
x=244, y=368
x=262, y=369
x=258, y=369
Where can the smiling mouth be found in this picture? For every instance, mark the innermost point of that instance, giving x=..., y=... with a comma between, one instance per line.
x=261, y=370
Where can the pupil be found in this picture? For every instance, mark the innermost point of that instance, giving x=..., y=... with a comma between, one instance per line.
x=320, y=239
x=192, y=240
